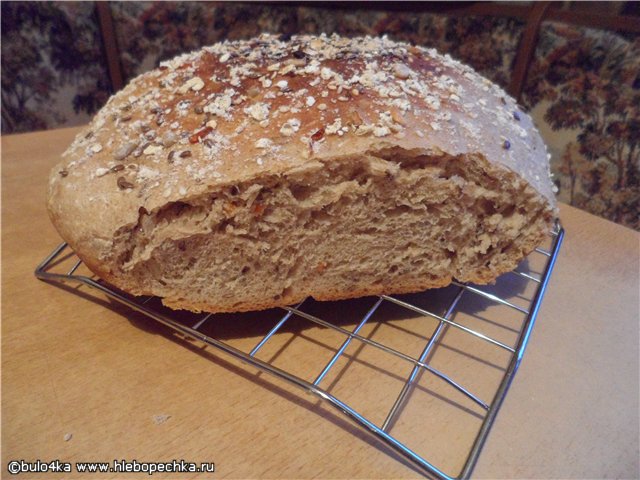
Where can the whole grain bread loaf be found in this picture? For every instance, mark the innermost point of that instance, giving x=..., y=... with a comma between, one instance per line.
x=253, y=174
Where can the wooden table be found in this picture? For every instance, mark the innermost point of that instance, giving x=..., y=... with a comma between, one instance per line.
x=71, y=365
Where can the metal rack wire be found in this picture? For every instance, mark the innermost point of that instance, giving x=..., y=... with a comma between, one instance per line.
x=52, y=269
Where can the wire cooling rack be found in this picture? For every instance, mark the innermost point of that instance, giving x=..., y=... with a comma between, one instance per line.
x=510, y=306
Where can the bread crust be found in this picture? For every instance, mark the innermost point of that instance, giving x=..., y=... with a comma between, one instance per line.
x=236, y=112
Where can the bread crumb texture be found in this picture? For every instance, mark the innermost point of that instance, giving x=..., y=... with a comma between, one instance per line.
x=252, y=174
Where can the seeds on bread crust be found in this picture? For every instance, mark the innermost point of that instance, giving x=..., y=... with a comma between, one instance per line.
x=124, y=184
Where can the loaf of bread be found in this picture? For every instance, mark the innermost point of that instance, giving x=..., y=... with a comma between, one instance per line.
x=252, y=174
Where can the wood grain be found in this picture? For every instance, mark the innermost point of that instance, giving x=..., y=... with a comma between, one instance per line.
x=101, y=373
x=110, y=45
x=527, y=48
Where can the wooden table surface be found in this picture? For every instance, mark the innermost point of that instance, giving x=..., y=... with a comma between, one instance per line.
x=72, y=364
